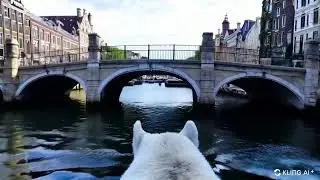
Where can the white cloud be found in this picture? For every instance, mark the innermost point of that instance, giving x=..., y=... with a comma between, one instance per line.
x=153, y=21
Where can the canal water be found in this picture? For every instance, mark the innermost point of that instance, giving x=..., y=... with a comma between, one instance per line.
x=239, y=139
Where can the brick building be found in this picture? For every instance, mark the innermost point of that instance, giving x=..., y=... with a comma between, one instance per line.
x=282, y=30
x=42, y=37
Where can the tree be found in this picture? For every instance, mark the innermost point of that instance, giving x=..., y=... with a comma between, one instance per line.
x=266, y=24
x=112, y=53
x=197, y=56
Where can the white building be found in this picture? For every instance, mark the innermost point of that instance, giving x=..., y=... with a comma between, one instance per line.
x=306, y=23
x=252, y=40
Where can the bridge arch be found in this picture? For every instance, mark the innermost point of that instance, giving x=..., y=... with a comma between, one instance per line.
x=268, y=77
x=40, y=76
x=158, y=69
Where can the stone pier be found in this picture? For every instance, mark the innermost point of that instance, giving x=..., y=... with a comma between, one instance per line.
x=311, y=82
x=10, y=75
x=207, y=76
x=93, y=72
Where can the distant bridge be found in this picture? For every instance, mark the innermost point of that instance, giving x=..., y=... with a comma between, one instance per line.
x=107, y=71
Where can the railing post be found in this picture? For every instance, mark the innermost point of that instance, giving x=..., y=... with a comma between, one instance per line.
x=174, y=51
x=148, y=51
x=125, y=52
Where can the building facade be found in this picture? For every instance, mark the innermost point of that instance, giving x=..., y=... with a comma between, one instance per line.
x=306, y=23
x=251, y=36
x=282, y=30
x=245, y=36
x=40, y=37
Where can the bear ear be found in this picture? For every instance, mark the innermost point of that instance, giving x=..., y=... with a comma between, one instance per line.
x=138, y=134
x=190, y=131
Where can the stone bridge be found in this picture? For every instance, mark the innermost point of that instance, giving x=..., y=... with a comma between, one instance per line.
x=104, y=80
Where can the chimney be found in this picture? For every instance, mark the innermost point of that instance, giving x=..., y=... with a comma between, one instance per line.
x=79, y=12
x=84, y=12
x=238, y=25
x=90, y=19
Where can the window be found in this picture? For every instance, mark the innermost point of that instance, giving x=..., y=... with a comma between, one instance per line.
x=8, y=36
x=278, y=23
x=301, y=44
x=274, y=24
x=307, y=36
x=14, y=27
x=284, y=19
x=315, y=34
x=20, y=17
x=13, y=15
x=35, y=32
x=28, y=46
x=278, y=11
x=1, y=22
x=1, y=52
x=59, y=42
x=1, y=38
x=48, y=37
x=303, y=3
x=27, y=22
x=54, y=40
x=278, y=39
x=35, y=46
x=282, y=37
x=284, y=4
x=303, y=19
x=20, y=28
x=41, y=34
x=6, y=11
x=297, y=4
x=7, y=23
x=307, y=20
x=27, y=30
x=294, y=44
x=316, y=16
x=274, y=39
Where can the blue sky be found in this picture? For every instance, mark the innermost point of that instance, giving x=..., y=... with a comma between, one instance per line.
x=121, y=22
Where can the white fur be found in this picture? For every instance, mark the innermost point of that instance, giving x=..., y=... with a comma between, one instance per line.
x=168, y=156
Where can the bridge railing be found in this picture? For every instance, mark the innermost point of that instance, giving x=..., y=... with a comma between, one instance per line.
x=152, y=52
x=54, y=57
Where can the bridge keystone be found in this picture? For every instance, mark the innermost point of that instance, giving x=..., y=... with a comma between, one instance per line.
x=311, y=83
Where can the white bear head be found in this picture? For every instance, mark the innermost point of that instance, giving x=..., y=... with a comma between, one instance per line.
x=189, y=131
x=168, y=156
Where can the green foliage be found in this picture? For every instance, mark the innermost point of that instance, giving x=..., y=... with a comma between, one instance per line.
x=112, y=53
x=197, y=56
x=266, y=18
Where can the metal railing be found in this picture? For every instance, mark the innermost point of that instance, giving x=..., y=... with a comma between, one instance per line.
x=151, y=52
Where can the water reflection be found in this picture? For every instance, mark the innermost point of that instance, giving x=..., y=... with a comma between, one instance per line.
x=64, y=141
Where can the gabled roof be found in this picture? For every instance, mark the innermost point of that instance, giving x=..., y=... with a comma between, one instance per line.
x=50, y=25
x=69, y=23
x=247, y=25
